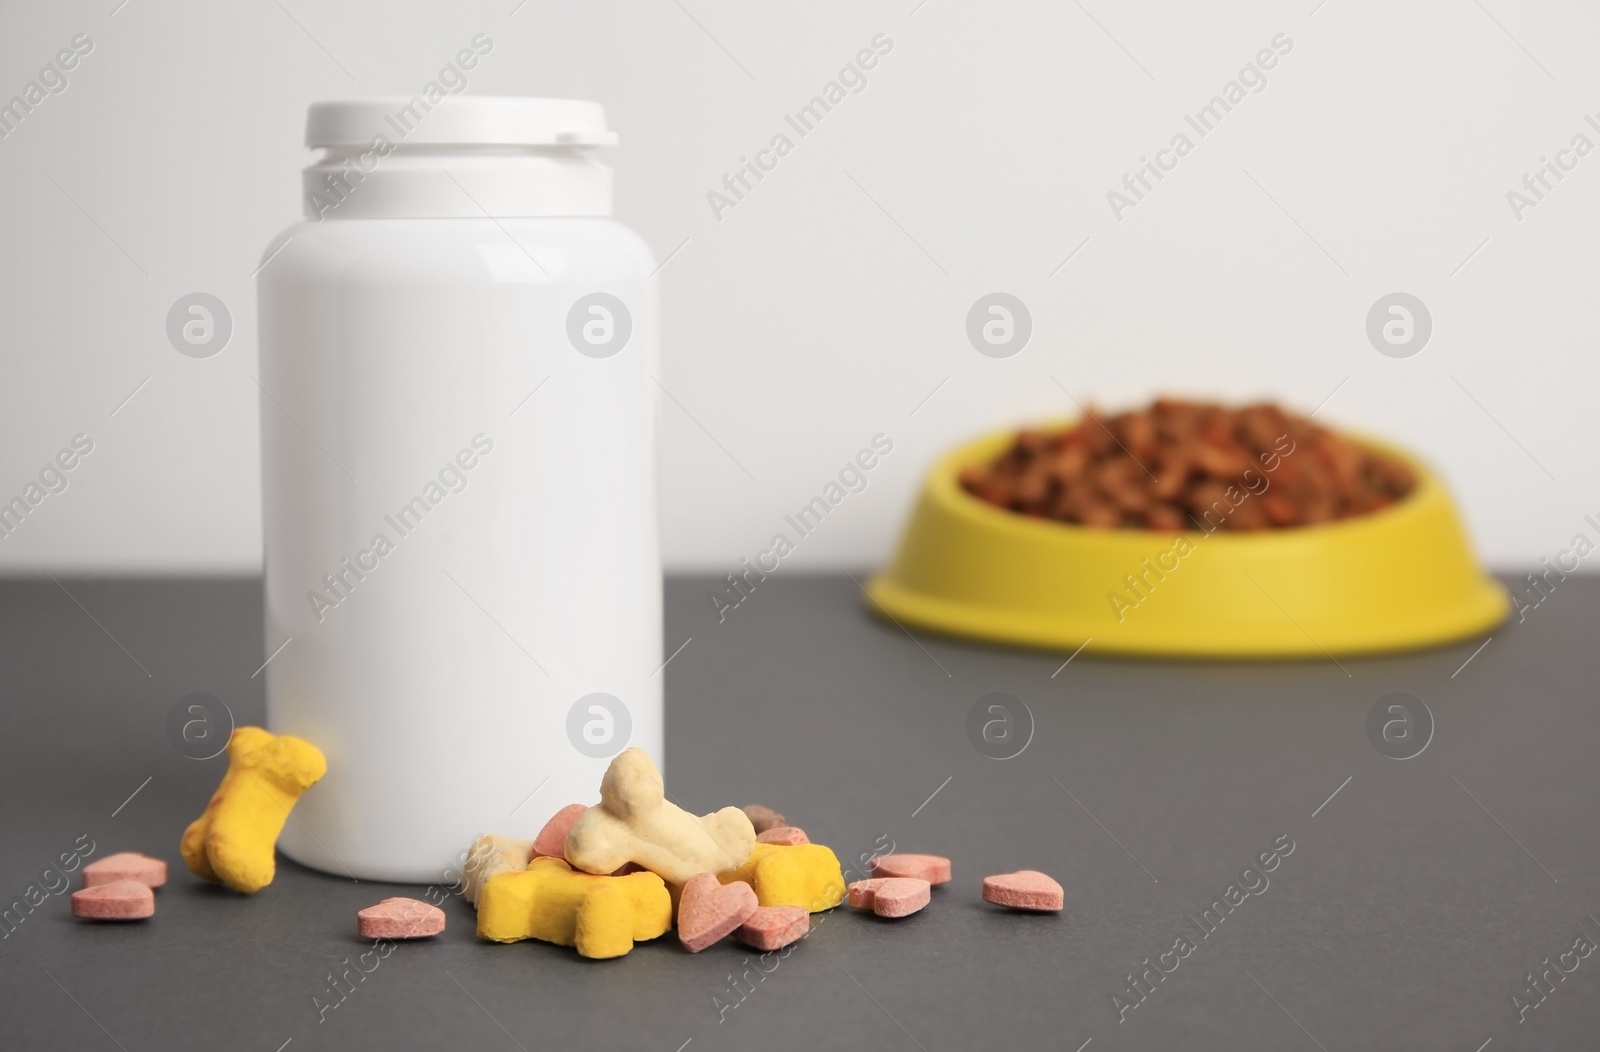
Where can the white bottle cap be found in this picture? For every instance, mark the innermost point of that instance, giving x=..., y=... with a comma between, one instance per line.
x=461, y=156
x=459, y=120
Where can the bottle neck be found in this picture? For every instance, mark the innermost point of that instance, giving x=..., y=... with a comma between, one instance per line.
x=384, y=180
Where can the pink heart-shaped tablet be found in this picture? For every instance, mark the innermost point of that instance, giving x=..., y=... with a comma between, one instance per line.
x=709, y=910
x=774, y=927
x=1026, y=889
x=935, y=869
x=125, y=865
x=890, y=896
x=400, y=918
x=118, y=901
x=552, y=838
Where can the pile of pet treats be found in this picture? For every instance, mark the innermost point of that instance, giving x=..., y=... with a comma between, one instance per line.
x=629, y=869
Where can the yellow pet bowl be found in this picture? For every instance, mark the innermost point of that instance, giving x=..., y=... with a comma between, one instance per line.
x=1401, y=578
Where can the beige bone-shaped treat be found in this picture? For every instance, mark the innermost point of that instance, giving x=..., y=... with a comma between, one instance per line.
x=635, y=822
x=489, y=857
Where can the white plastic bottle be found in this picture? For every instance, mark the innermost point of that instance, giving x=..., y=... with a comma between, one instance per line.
x=458, y=461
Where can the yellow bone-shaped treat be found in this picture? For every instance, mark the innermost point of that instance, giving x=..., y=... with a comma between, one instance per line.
x=635, y=822
x=805, y=875
x=601, y=916
x=233, y=841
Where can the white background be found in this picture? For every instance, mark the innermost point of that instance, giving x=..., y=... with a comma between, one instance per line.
x=828, y=305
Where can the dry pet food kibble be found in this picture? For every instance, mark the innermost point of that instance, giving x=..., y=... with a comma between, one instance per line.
x=709, y=911
x=789, y=835
x=935, y=869
x=635, y=822
x=233, y=841
x=400, y=918
x=126, y=865
x=890, y=896
x=774, y=927
x=1025, y=889
x=1190, y=466
x=118, y=901
x=601, y=916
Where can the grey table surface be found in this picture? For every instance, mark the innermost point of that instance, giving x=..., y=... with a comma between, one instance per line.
x=1414, y=905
